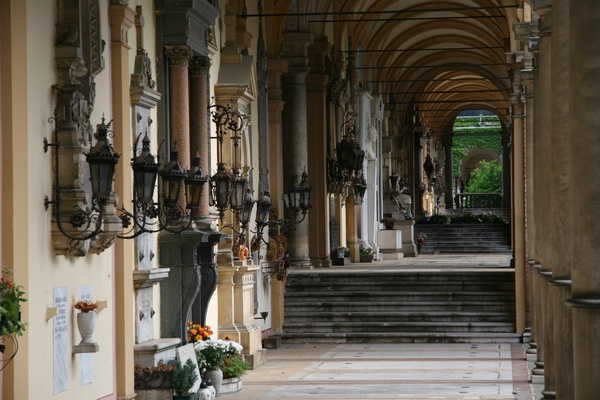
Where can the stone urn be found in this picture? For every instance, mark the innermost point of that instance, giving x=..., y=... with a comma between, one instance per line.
x=86, y=323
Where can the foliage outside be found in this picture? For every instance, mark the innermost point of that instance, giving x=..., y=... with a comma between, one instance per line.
x=464, y=218
x=472, y=133
x=486, y=179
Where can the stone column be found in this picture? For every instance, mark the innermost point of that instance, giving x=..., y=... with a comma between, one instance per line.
x=584, y=162
x=316, y=83
x=506, y=167
x=275, y=69
x=199, y=132
x=121, y=20
x=543, y=203
x=179, y=103
x=418, y=172
x=295, y=145
x=518, y=206
x=561, y=189
x=447, y=140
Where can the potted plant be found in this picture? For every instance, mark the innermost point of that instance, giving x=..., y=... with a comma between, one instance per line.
x=420, y=241
x=366, y=254
x=11, y=297
x=86, y=320
x=184, y=377
x=210, y=355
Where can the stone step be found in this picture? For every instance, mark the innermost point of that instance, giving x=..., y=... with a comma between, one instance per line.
x=400, y=296
x=408, y=337
x=406, y=316
x=405, y=327
x=414, y=306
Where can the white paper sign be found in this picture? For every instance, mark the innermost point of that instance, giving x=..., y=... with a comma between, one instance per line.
x=61, y=330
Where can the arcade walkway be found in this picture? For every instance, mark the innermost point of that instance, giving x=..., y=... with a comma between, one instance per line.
x=413, y=371
x=391, y=371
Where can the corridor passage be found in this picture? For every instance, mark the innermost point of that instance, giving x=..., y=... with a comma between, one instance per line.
x=413, y=371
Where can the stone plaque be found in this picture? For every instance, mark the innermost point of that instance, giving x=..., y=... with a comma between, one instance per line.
x=188, y=352
x=144, y=326
x=61, y=352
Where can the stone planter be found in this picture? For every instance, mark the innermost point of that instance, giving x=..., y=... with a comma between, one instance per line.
x=231, y=385
x=366, y=258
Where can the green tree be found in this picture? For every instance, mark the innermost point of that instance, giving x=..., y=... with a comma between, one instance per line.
x=487, y=178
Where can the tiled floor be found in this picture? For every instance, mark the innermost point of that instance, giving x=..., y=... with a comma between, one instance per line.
x=390, y=371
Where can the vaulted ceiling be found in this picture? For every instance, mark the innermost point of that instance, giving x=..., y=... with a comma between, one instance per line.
x=441, y=57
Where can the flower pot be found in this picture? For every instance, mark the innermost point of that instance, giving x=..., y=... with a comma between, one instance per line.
x=366, y=258
x=183, y=397
x=216, y=378
x=86, y=323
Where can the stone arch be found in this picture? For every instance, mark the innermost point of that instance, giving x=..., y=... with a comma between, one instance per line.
x=472, y=160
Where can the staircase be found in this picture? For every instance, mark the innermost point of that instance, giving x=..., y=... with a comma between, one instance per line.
x=467, y=238
x=441, y=306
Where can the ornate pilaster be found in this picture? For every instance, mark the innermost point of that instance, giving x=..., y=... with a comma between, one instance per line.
x=122, y=18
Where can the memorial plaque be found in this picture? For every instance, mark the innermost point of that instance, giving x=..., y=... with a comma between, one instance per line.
x=61, y=352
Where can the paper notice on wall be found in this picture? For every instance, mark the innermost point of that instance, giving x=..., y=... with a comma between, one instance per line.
x=86, y=360
x=61, y=352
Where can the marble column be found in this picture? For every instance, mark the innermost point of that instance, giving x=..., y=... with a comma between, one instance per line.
x=584, y=161
x=447, y=142
x=295, y=135
x=275, y=70
x=316, y=96
x=561, y=227
x=199, y=133
x=179, y=106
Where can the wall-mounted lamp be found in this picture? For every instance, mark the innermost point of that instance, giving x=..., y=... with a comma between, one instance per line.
x=167, y=212
x=102, y=161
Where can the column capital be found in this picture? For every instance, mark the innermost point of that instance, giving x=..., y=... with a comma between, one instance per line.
x=179, y=55
x=294, y=48
x=199, y=65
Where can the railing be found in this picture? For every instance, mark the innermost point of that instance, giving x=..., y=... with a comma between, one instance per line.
x=479, y=200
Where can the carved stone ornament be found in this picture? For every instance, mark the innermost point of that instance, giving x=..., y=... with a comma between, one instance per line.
x=179, y=55
x=200, y=65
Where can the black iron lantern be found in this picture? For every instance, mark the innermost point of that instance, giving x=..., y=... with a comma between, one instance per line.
x=239, y=186
x=263, y=207
x=194, y=184
x=145, y=170
x=172, y=178
x=292, y=197
x=359, y=156
x=305, y=189
x=247, y=208
x=102, y=160
x=221, y=188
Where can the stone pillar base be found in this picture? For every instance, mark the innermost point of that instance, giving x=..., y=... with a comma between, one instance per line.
x=390, y=244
